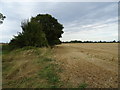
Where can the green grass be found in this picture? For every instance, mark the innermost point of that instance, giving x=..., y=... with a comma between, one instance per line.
x=48, y=72
x=83, y=85
x=5, y=49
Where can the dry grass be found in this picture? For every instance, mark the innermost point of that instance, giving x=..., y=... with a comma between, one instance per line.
x=95, y=64
x=92, y=65
x=24, y=68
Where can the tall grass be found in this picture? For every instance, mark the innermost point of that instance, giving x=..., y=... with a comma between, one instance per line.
x=29, y=67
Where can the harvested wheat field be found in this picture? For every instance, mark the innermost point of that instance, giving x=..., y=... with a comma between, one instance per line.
x=92, y=64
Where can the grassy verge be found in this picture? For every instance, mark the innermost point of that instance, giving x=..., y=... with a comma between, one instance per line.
x=29, y=67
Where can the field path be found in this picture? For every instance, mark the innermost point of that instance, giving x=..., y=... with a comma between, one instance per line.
x=91, y=63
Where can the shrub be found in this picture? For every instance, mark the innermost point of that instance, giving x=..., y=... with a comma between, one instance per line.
x=42, y=30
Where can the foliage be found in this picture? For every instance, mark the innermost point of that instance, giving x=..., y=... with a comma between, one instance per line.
x=77, y=41
x=6, y=48
x=51, y=28
x=42, y=30
x=31, y=36
x=2, y=17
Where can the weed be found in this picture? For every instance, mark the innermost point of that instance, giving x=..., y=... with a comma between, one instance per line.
x=49, y=73
x=5, y=49
x=47, y=59
x=28, y=48
x=83, y=85
x=44, y=60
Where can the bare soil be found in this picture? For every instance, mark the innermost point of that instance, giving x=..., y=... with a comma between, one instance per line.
x=95, y=64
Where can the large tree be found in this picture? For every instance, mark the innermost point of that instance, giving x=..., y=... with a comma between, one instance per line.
x=42, y=30
x=51, y=28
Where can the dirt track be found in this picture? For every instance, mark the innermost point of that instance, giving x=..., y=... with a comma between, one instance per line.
x=95, y=64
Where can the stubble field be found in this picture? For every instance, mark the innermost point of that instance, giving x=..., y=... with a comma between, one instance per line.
x=94, y=65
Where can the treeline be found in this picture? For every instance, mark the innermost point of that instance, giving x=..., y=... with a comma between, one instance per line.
x=77, y=41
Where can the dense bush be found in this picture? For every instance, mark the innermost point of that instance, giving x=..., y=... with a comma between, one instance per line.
x=42, y=30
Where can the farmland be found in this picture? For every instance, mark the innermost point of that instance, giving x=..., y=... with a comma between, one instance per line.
x=71, y=65
x=59, y=45
x=94, y=64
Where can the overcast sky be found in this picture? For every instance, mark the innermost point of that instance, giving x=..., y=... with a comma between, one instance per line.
x=81, y=20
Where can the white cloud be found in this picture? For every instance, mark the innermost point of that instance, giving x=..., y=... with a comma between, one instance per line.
x=8, y=29
x=107, y=32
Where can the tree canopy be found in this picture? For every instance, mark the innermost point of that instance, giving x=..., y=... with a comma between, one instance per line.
x=2, y=17
x=39, y=31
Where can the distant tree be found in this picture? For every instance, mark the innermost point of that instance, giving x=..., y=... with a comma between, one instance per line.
x=2, y=17
x=114, y=41
x=104, y=41
x=100, y=41
x=42, y=30
x=75, y=41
